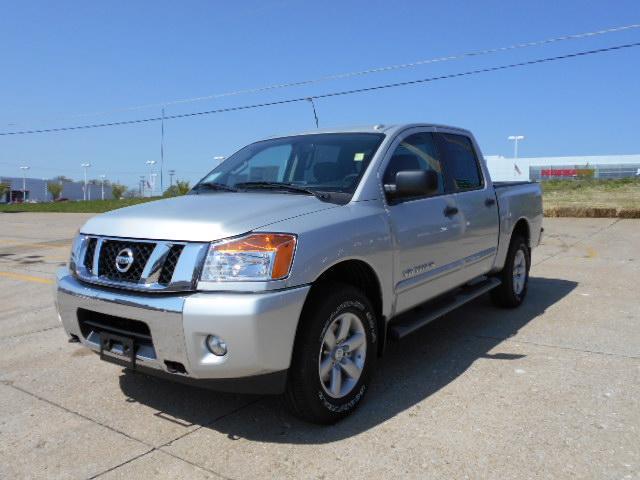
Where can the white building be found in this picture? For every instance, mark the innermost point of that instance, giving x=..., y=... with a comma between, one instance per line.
x=544, y=168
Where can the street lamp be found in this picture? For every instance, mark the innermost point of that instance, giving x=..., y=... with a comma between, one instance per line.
x=516, y=139
x=85, y=166
x=24, y=182
x=151, y=163
x=102, y=177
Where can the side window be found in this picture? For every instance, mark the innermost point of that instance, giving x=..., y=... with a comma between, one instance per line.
x=462, y=163
x=416, y=152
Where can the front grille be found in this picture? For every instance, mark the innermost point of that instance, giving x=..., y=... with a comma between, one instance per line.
x=110, y=250
x=88, y=257
x=170, y=264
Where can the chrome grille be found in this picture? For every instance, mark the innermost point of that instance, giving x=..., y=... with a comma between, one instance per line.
x=170, y=264
x=155, y=266
x=88, y=257
x=107, y=260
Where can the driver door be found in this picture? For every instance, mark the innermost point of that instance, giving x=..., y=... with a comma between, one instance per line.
x=424, y=229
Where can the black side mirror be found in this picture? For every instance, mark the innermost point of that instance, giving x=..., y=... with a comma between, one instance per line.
x=415, y=183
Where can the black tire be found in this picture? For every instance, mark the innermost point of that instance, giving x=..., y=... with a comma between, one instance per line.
x=507, y=295
x=305, y=395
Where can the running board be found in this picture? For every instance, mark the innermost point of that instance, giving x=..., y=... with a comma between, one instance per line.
x=419, y=319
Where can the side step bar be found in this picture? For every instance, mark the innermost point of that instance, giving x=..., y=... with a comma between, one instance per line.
x=413, y=321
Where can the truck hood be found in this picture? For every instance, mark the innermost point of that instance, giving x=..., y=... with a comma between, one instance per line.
x=205, y=217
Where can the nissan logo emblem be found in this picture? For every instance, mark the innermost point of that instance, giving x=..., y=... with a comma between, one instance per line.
x=124, y=260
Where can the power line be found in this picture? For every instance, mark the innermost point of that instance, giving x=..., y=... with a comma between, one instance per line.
x=359, y=73
x=327, y=95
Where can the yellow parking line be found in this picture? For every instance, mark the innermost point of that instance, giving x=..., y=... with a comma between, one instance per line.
x=26, y=278
x=35, y=245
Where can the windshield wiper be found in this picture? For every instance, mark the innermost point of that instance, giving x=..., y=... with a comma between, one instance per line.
x=283, y=186
x=215, y=186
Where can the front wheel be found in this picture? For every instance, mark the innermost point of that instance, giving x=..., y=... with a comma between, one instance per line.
x=334, y=354
x=514, y=275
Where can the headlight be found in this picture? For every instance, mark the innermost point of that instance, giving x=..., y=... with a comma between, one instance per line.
x=256, y=257
x=74, y=259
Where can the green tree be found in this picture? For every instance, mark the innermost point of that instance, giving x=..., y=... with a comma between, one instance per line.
x=4, y=188
x=181, y=187
x=118, y=190
x=55, y=189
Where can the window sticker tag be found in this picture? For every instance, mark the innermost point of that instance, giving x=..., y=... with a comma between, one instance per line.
x=358, y=157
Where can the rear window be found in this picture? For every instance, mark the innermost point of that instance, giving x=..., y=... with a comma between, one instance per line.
x=461, y=161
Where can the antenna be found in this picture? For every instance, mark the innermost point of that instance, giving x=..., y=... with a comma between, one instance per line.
x=313, y=105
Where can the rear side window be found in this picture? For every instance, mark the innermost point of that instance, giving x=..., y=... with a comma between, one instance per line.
x=461, y=160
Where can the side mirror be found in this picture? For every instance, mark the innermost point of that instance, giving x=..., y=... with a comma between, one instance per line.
x=416, y=183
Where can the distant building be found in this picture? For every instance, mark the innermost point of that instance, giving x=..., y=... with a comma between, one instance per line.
x=36, y=190
x=547, y=168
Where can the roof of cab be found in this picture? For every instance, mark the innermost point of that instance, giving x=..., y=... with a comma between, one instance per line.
x=374, y=128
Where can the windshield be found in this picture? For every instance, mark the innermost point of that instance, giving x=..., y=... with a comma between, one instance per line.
x=320, y=162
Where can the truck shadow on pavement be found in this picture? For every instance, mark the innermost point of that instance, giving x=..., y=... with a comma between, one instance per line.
x=410, y=371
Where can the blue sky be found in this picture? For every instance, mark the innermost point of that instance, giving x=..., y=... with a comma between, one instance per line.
x=61, y=59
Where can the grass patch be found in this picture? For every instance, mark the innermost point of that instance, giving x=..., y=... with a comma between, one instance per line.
x=91, y=206
x=592, y=197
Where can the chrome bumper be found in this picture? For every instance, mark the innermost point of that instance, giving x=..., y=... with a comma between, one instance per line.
x=258, y=328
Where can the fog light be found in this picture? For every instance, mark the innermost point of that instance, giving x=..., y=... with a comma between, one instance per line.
x=216, y=345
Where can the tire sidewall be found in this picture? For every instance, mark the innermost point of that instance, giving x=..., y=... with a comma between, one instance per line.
x=328, y=307
x=520, y=244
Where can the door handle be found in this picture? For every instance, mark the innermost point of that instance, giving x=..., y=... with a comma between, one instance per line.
x=490, y=201
x=450, y=211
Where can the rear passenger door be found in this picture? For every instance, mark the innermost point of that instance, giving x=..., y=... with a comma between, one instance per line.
x=475, y=201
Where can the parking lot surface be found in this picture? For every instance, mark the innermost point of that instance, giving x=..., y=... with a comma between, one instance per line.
x=549, y=390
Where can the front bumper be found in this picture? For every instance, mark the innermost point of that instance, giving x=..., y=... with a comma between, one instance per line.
x=258, y=328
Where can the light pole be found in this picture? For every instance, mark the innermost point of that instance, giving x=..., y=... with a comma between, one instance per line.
x=85, y=166
x=516, y=139
x=142, y=181
x=24, y=169
x=102, y=177
x=171, y=174
x=151, y=163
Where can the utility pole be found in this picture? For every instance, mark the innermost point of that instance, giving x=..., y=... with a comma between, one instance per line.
x=171, y=174
x=85, y=166
x=102, y=177
x=162, y=153
x=24, y=169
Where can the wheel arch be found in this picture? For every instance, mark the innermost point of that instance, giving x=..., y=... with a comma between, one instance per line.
x=362, y=276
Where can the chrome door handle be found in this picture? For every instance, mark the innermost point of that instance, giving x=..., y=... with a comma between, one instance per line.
x=490, y=202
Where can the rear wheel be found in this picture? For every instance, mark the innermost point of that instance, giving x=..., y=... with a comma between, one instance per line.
x=334, y=354
x=514, y=275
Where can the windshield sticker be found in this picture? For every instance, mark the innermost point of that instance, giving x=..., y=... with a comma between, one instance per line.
x=358, y=157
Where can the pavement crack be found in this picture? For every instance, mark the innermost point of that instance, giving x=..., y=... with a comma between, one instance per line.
x=560, y=347
x=31, y=333
x=115, y=467
x=62, y=407
x=566, y=247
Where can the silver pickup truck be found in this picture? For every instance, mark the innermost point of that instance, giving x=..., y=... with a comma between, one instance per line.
x=289, y=266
